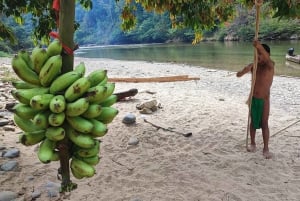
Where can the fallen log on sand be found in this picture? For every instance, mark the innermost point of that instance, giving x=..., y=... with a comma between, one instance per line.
x=155, y=79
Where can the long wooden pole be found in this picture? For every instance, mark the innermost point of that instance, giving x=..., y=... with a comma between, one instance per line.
x=258, y=3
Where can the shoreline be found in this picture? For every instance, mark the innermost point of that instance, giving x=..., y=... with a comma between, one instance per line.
x=212, y=164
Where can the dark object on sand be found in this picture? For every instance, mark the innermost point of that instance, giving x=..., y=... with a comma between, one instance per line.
x=189, y=134
x=124, y=94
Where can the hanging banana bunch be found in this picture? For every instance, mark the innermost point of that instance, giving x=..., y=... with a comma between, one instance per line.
x=53, y=106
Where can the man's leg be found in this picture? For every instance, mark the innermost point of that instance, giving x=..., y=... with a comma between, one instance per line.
x=265, y=129
x=252, y=147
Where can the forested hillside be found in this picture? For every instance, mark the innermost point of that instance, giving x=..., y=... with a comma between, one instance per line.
x=102, y=26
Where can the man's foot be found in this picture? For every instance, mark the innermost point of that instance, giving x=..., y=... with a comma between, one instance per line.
x=267, y=154
x=251, y=148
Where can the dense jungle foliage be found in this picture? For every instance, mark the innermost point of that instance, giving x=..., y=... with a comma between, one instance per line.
x=102, y=26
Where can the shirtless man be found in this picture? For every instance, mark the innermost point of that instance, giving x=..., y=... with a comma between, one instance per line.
x=260, y=105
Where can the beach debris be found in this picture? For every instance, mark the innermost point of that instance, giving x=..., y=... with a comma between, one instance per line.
x=172, y=78
x=188, y=134
x=133, y=141
x=129, y=119
x=121, y=164
x=150, y=92
x=126, y=94
x=148, y=107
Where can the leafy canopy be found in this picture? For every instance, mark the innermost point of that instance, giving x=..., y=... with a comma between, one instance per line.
x=203, y=14
x=196, y=14
x=42, y=13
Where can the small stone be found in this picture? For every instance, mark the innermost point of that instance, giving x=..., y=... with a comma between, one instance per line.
x=36, y=194
x=133, y=141
x=9, y=128
x=30, y=178
x=53, y=192
x=52, y=189
x=12, y=153
x=51, y=184
x=129, y=119
x=146, y=111
x=4, y=122
x=8, y=195
x=9, y=166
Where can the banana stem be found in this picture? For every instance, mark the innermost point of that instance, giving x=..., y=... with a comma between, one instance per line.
x=64, y=155
x=66, y=33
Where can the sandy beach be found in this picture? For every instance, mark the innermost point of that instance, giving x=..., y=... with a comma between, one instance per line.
x=210, y=165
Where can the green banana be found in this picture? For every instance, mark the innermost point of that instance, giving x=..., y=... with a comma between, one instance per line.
x=109, y=101
x=104, y=81
x=110, y=87
x=26, y=57
x=77, y=107
x=87, y=152
x=76, y=174
x=41, y=102
x=57, y=104
x=50, y=70
x=19, y=84
x=96, y=94
x=55, y=133
x=24, y=95
x=24, y=111
x=93, y=160
x=39, y=57
x=56, y=119
x=82, y=167
x=63, y=81
x=54, y=48
x=46, y=150
x=99, y=129
x=79, y=139
x=77, y=89
x=107, y=115
x=80, y=68
x=31, y=138
x=23, y=71
x=80, y=124
x=41, y=119
x=97, y=76
x=92, y=111
x=25, y=125
x=55, y=156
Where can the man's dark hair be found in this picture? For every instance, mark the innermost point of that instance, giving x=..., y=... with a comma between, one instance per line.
x=267, y=48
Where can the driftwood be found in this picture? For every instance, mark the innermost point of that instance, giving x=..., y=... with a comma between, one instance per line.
x=126, y=94
x=168, y=129
x=174, y=78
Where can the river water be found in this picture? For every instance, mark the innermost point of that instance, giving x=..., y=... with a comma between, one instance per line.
x=230, y=56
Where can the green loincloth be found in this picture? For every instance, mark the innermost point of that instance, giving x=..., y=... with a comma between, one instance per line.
x=257, y=107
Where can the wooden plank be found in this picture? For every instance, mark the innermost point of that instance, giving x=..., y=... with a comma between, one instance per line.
x=154, y=79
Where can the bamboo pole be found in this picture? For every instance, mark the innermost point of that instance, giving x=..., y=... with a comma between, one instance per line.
x=258, y=3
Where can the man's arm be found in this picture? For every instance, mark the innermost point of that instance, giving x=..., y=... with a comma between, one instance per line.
x=261, y=50
x=245, y=70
